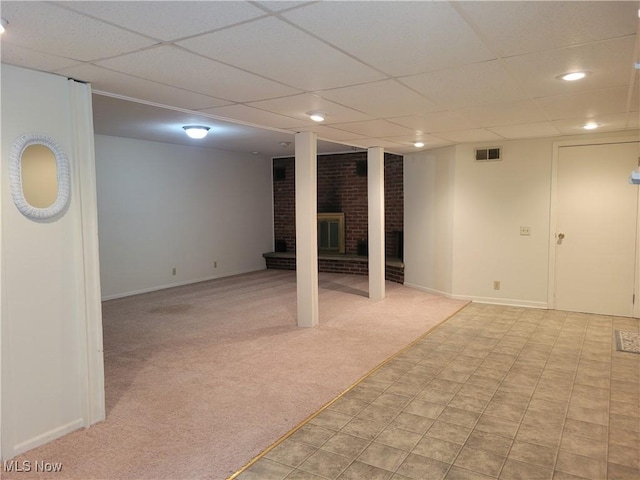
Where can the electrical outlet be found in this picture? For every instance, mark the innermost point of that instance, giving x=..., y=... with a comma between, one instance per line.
x=525, y=230
x=496, y=284
x=215, y=264
x=173, y=271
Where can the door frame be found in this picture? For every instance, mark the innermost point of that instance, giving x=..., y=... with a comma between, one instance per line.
x=553, y=216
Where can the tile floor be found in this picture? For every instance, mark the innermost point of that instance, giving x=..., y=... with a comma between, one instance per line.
x=494, y=392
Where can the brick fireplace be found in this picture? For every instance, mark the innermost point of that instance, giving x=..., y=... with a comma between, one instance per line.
x=342, y=188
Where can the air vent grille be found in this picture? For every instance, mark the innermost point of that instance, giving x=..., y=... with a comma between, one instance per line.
x=490, y=154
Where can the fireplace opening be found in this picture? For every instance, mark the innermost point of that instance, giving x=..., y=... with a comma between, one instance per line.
x=331, y=233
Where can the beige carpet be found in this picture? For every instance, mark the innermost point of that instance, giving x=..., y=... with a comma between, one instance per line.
x=201, y=378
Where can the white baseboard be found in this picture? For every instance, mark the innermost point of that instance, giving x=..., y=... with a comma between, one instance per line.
x=176, y=284
x=511, y=302
x=46, y=437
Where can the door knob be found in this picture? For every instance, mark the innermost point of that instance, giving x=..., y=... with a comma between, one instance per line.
x=560, y=236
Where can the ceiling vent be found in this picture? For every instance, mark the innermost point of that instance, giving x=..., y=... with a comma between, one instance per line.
x=491, y=154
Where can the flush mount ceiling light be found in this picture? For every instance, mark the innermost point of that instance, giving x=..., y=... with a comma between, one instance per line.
x=590, y=126
x=572, y=76
x=196, y=131
x=418, y=144
x=3, y=25
x=317, y=116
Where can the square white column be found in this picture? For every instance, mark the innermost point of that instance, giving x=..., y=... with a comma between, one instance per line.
x=306, y=229
x=376, y=243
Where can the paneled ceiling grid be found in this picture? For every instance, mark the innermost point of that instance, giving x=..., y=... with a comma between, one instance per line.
x=385, y=73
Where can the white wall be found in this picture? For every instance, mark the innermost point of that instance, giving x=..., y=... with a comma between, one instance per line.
x=49, y=367
x=428, y=219
x=463, y=219
x=162, y=206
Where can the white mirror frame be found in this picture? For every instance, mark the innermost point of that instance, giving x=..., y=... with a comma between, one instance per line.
x=15, y=176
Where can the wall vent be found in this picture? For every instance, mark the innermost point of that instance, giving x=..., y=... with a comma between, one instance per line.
x=490, y=154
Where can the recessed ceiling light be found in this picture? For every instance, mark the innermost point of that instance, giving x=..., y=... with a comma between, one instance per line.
x=196, y=131
x=418, y=144
x=590, y=126
x=3, y=25
x=572, y=76
x=317, y=116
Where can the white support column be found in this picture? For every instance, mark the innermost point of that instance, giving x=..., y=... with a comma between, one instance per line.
x=306, y=228
x=375, y=180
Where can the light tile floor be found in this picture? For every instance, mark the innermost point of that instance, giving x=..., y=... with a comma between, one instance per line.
x=494, y=392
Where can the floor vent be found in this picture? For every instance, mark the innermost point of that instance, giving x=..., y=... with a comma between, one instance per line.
x=490, y=154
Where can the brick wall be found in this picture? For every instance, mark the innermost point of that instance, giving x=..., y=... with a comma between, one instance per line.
x=341, y=189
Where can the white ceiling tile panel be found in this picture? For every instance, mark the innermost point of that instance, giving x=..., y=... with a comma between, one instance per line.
x=278, y=6
x=244, y=113
x=531, y=130
x=585, y=105
x=435, y=122
x=170, y=19
x=375, y=128
x=173, y=66
x=38, y=26
x=297, y=106
x=469, y=85
x=465, y=136
x=383, y=99
x=520, y=27
x=275, y=49
x=126, y=85
x=574, y=126
x=399, y=38
x=497, y=114
x=330, y=133
x=25, y=57
x=609, y=62
x=389, y=146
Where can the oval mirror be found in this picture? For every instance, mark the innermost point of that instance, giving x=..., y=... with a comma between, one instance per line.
x=39, y=178
x=39, y=175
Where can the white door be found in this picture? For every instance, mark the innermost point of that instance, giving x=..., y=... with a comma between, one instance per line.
x=596, y=229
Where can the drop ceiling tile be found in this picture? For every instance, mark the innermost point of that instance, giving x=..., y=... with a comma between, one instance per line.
x=531, y=130
x=297, y=106
x=513, y=28
x=330, y=133
x=389, y=146
x=84, y=38
x=609, y=63
x=254, y=116
x=469, y=85
x=173, y=66
x=435, y=122
x=608, y=123
x=589, y=104
x=466, y=136
x=171, y=19
x=278, y=6
x=25, y=57
x=128, y=86
x=363, y=29
x=509, y=113
x=383, y=99
x=375, y=128
x=275, y=49
x=429, y=140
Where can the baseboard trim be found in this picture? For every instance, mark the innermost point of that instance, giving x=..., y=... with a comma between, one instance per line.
x=176, y=284
x=47, y=436
x=510, y=302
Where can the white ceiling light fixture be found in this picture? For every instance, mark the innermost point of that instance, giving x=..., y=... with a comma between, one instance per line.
x=317, y=116
x=590, y=126
x=572, y=76
x=3, y=25
x=196, y=131
x=418, y=144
